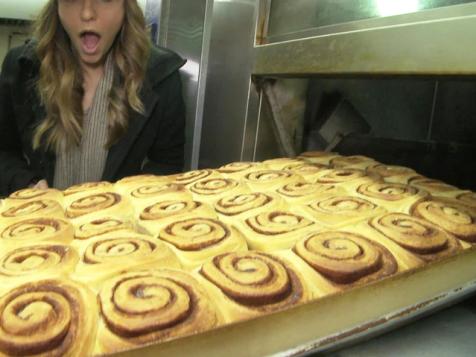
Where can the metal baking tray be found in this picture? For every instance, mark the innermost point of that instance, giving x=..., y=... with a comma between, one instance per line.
x=335, y=320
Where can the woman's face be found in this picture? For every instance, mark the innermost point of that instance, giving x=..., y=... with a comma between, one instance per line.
x=92, y=26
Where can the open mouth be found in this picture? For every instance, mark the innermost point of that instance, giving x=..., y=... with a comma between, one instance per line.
x=89, y=41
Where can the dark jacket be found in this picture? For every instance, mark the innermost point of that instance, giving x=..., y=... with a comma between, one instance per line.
x=156, y=137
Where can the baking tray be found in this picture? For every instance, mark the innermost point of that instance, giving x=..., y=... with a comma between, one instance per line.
x=335, y=320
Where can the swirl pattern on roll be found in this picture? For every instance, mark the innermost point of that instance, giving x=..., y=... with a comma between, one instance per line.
x=36, y=229
x=30, y=193
x=451, y=216
x=97, y=227
x=237, y=204
x=468, y=198
x=47, y=317
x=386, y=171
x=266, y=176
x=194, y=234
x=388, y=191
x=213, y=186
x=156, y=189
x=114, y=249
x=169, y=208
x=236, y=167
x=37, y=207
x=192, y=176
x=255, y=280
x=92, y=203
x=346, y=258
x=343, y=161
x=277, y=222
x=306, y=169
x=337, y=176
x=432, y=185
x=301, y=189
x=416, y=235
x=343, y=205
x=86, y=186
x=154, y=305
x=38, y=259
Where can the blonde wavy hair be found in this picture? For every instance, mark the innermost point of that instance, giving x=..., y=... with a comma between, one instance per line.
x=60, y=79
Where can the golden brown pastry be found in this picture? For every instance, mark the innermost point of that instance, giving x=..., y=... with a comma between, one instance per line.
x=32, y=209
x=347, y=179
x=345, y=258
x=435, y=187
x=32, y=194
x=394, y=197
x=99, y=204
x=392, y=173
x=418, y=236
x=155, y=217
x=147, y=194
x=110, y=254
x=307, y=170
x=282, y=162
x=139, y=308
x=238, y=170
x=249, y=284
x=467, y=198
x=270, y=180
x=127, y=184
x=54, y=317
x=35, y=230
x=354, y=161
x=94, y=227
x=236, y=208
x=197, y=239
x=339, y=211
x=87, y=188
x=211, y=190
x=454, y=218
x=38, y=260
x=190, y=177
x=306, y=192
x=273, y=230
x=318, y=157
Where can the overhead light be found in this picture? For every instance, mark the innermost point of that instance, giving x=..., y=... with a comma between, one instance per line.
x=396, y=7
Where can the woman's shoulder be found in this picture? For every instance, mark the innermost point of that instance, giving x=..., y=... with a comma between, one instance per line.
x=162, y=63
x=23, y=56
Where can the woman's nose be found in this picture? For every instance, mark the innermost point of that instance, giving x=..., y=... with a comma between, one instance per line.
x=88, y=10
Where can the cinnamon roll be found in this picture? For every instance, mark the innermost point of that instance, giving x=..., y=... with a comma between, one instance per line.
x=467, y=198
x=143, y=307
x=392, y=173
x=318, y=157
x=346, y=258
x=275, y=229
x=417, y=236
x=88, y=188
x=436, y=188
x=348, y=179
x=99, y=204
x=270, y=180
x=238, y=170
x=393, y=196
x=54, y=317
x=454, y=218
x=339, y=211
x=92, y=227
x=305, y=192
x=197, y=239
x=211, y=190
x=250, y=284
x=155, y=217
x=34, y=230
x=354, y=161
x=150, y=193
x=36, y=260
x=190, y=177
x=309, y=171
x=106, y=256
x=125, y=185
x=32, y=209
x=281, y=162
x=33, y=194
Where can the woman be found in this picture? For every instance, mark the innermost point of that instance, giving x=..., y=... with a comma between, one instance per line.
x=89, y=99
